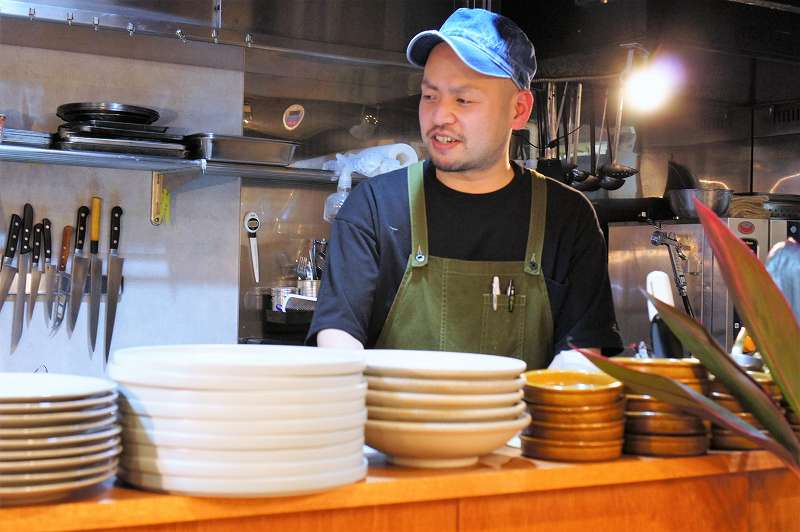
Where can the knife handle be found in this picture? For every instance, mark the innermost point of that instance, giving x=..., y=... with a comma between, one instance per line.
x=12, y=239
x=116, y=228
x=94, y=238
x=47, y=240
x=66, y=239
x=27, y=229
x=80, y=227
x=37, y=243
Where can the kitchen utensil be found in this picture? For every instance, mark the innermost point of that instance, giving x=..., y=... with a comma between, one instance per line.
x=50, y=274
x=588, y=182
x=297, y=302
x=62, y=282
x=320, y=253
x=278, y=295
x=80, y=269
x=74, y=142
x=682, y=201
x=23, y=267
x=22, y=137
x=550, y=165
x=8, y=271
x=611, y=182
x=679, y=177
x=246, y=150
x=676, y=251
x=573, y=172
x=95, y=273
x=616, y=170
x=36, y=273
x=122, y=130
x=114, y=282
x=106, y=111
x=251, y=225
x=308, y=288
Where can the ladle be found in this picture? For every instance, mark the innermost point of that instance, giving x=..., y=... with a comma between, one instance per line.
x=616, y=170
x=590, y=181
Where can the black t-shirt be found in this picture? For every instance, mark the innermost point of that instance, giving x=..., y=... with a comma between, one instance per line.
x=371, y=241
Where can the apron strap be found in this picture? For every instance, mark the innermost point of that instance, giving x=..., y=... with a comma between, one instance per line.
x=418, y=215
x=533, y=251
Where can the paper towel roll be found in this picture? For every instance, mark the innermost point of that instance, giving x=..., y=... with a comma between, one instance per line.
x=659, y=286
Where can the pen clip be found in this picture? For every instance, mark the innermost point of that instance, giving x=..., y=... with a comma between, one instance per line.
x=495, y=291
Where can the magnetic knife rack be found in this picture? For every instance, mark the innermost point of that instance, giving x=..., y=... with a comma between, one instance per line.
x=103, y=289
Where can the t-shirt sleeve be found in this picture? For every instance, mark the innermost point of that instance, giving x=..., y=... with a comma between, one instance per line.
x=347, y=288
x=586, y=318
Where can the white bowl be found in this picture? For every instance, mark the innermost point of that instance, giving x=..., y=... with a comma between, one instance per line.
x=445, y=414
x=190, y=381
x=313, y=425
x=243, y=360
x=231, y=412
x=440, y=444
x=203, y=469
x=135, y=392
x=259, y=442
x=433, y=400
x=441, y=365
x=238, y=487
x=454, y=386
x=36, y=387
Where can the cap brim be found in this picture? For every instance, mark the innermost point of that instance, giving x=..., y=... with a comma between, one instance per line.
x=421, y=45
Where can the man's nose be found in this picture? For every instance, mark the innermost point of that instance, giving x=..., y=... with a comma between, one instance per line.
x=443, y=113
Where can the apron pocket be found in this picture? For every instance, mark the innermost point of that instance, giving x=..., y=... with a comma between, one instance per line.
x=503, y=332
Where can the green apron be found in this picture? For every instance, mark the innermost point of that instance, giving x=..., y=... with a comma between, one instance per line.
x=446, y=304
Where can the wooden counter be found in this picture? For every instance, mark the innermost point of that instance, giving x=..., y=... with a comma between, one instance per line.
x=720, y=491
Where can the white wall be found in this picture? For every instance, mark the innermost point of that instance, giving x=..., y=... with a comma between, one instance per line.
x=181, y=280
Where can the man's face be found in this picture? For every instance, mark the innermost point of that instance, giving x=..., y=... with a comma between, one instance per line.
x=465, y=117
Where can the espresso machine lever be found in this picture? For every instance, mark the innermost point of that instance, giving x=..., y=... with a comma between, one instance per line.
x=676, y=251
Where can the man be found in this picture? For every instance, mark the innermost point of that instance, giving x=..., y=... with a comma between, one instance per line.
x=467, y=251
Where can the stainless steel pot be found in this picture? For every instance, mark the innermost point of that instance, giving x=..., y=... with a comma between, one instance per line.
x=682, y=204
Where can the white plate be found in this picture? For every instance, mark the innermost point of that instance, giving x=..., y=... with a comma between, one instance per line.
x=250, y=398
x=188, y=381
x=24, y=466
x=222, y=441
x=243, y=360
x=445, y=414
x=237, y=487
x=49, y=492
x=244, y=456
x=59, y=452
x=249, y=427
x=34, y=387
x=441, y=365
x=58, y=406
x=203, y=469
x=433, y=400
x=29, y=479
x=400, y=384
x=54, y=418
x=57, y=430
x=58, y=441
x=229, y=412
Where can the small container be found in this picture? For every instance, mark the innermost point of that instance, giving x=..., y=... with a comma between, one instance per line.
x=279, y=294
x=308, y=287
x=2, y=126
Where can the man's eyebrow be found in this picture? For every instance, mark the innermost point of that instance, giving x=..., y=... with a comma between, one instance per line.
x=458, y=89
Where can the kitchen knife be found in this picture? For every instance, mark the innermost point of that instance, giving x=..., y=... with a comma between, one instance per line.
x=36, y=273
x=7, y=272
x=23, y=266
x=62, y=283
x=80, y=269
x=114, y=275
x=95, y=273
x=49, y=271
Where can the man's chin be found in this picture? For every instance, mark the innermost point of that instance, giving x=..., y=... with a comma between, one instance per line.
x=446, y=165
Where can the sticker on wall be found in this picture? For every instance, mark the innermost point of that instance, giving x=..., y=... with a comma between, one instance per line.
x=293, y=116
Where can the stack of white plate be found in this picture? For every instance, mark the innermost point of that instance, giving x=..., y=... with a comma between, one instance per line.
x=241, y=420
x=439, y=409
x=58, y=434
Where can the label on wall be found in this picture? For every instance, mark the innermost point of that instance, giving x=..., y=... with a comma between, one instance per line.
x=293, y=116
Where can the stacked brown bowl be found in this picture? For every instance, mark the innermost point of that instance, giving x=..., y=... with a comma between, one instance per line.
x=724, y=439
x=794, y=419
x=656, y=428
x=577, y=416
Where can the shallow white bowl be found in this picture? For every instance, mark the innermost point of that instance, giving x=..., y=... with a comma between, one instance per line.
x=243, y=360
x=193, y=440
x=135, y=392
x=445, y=414
x=441, y=365
x=454, y=386
x=35, y=387
x=440, y=444
x=433, y=400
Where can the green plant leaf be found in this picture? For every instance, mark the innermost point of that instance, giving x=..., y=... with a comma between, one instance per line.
x=675, y=393
x=766, y=313
x=752, y=396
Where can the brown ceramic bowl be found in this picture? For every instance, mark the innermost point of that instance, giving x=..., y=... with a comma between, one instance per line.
x=764, y=379
x=570, y=451
x=577, y=414
x=728, y=401
x=648, y=403
x=750, y=418
x=674, y=368
x=661, y=423
x=793, y=418
x=651, y=445
x=571, y=388
x=730, y=441
x=587, y=432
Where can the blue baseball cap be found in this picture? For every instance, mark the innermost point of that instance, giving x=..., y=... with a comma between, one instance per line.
x=486, y=42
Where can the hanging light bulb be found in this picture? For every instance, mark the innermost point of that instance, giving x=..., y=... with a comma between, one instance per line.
x=648, y=88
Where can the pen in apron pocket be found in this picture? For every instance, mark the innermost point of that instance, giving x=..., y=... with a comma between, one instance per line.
x=511, y=292
x=495, y=291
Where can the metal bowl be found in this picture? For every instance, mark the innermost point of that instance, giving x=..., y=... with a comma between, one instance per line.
x=682, y=204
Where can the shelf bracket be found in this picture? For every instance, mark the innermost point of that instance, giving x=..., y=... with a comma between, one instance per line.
x=158, y=183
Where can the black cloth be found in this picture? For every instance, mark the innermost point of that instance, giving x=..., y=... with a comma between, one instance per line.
x=371, y=241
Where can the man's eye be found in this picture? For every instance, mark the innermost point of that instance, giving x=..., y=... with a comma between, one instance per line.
x=427, y=96
x=462, y=101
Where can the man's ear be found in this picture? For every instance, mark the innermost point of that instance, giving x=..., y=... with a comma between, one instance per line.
x=523, y=107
